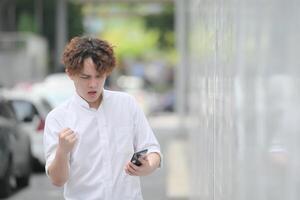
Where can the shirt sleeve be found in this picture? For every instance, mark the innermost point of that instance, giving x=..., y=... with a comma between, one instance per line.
x=50, y=140
x=144, y=137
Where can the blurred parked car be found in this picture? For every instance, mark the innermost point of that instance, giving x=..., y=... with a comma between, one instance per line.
x=15, y=151
x=56, y=88
x=167, y=102
x=31, y=111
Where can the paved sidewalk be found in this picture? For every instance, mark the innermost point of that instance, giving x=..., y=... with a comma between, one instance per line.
x=171, y=181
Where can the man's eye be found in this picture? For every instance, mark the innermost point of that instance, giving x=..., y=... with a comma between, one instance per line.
x=84, y=77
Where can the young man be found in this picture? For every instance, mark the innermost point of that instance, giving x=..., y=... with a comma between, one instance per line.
x=90, y=139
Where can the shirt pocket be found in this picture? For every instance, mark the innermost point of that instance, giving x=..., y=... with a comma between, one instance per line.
x=123, y=139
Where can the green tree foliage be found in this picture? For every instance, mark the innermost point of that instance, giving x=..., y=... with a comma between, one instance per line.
x=164, y=24
x=26, y=23
x=130, y=37
x=25, y=15
x=75, y=20
x=143, y=31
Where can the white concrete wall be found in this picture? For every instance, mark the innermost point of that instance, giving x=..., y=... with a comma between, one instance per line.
x=243, y=98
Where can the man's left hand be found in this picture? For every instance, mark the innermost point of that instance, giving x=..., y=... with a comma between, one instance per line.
x=149, y=163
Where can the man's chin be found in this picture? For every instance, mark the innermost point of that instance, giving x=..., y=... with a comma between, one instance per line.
x=93, y=99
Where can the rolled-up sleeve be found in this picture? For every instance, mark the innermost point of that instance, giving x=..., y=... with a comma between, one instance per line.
x=50, y=140
x=143, y=134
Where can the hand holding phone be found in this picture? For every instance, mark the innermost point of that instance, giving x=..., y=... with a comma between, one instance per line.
x=137, y=155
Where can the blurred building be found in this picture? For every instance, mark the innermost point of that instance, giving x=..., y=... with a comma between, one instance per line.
x=238, y=94
x=23, y=58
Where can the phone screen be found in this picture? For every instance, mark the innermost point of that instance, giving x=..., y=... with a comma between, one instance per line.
x=137, y=155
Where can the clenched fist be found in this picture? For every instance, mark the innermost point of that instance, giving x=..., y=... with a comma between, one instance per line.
x=67, y=140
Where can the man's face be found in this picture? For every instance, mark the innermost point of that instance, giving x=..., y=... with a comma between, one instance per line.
x=89, y=83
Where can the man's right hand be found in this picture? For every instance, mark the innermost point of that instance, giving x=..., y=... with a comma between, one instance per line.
x=58, y=169
x=67, y=140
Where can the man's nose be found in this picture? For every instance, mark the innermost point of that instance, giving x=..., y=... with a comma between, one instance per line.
x=93, y=83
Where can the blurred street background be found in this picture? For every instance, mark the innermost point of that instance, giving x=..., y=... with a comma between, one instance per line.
x=219, y=81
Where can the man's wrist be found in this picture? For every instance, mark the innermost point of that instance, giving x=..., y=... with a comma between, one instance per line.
x=155, y=160
x=61, y=152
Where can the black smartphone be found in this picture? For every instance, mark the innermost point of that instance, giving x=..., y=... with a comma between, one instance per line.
x=137, y=155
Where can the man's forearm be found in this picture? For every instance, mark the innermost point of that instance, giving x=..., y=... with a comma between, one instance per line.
x=59, y=169
x=154, y=160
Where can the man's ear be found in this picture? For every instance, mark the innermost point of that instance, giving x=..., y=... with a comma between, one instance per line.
x=70, y=75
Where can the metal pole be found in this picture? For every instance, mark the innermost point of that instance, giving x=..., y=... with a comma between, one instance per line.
x=39, y=15
x=61, y=31
x=181, y=70
x=7, y=15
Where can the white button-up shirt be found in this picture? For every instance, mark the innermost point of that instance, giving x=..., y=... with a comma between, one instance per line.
x=107, y=138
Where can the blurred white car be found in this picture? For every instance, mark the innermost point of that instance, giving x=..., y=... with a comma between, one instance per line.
x=56, y=88
x=32, y=103
x=31, y=111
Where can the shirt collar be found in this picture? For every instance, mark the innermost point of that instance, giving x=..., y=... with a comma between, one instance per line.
x=81, y=102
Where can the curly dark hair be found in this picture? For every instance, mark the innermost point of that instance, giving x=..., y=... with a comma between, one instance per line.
x=80, y=48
